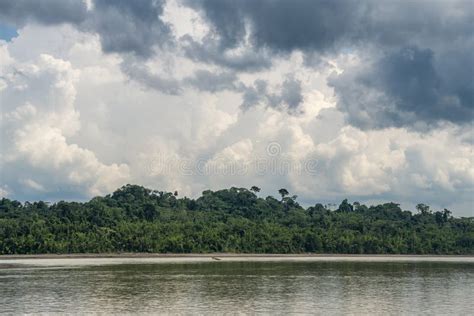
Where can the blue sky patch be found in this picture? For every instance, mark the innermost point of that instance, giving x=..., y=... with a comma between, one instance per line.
x=7, y=32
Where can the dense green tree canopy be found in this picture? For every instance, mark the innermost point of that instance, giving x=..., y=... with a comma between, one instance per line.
x=136, y=219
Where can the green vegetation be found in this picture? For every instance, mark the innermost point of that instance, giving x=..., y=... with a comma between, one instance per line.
x=135, y=219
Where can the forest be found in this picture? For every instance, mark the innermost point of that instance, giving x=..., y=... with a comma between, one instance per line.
x=235, y=220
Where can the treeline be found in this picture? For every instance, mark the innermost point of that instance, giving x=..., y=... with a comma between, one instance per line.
x=136, y=219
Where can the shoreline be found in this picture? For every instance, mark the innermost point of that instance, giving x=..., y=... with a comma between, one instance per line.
x=218, y=255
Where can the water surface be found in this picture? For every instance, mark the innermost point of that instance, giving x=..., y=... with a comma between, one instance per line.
x=315, y=285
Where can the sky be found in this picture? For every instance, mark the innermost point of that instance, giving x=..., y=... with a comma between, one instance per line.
x=366, y=100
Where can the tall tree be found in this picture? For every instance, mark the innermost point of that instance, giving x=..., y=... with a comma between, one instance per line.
x=255, y=189
x=283, y=192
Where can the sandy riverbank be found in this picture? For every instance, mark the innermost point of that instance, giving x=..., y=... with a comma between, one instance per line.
x=244, y=257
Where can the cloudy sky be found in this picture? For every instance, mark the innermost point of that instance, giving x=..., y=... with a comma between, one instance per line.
x=367, y=100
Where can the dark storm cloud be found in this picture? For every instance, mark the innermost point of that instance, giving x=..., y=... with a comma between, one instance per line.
x=422, y=72
x=291, y=93
x=18, y=12
x=410, y=77
x=210, y=51
x=423, y=76
x=281, y=24
x=202, y=80
x=129, y=26
x=409, y=87
x=270, y=27
x=252, y=95
x=326, y=25
x=205, y=80
x=289, y=96
x=124, y=26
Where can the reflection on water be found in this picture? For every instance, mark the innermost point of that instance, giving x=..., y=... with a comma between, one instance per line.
x=322, y=287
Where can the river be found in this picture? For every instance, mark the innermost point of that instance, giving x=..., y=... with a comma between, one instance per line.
x=330, y=285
